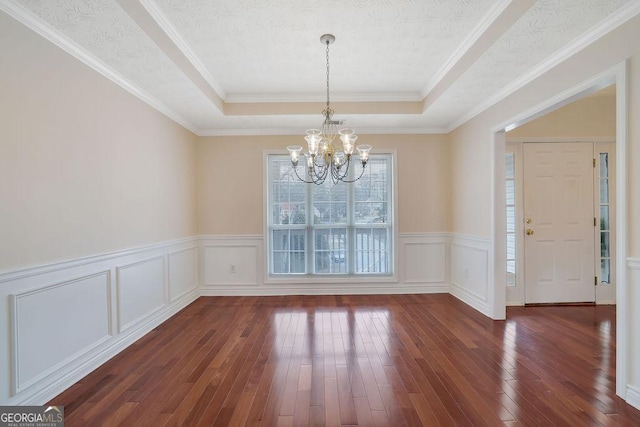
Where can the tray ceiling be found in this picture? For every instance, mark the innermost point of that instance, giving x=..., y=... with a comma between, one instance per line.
x=257, y=67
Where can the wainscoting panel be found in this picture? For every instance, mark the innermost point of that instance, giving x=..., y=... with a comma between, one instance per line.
x=65, y=319
x=54, y=325
x=423, y=258
x=632, y=337
x=141, y=291
x=183, y=272
x=235, y=265
x=470, y=271
x=232, y=261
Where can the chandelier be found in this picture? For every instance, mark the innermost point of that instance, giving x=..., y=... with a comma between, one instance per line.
x=324, y=158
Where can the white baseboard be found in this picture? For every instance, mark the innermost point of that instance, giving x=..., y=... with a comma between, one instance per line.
x=470, y=299
x=349, y=289
x=633, y=396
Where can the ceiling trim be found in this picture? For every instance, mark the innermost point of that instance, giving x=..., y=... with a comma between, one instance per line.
x=505, y=18
x=321, y=97
x=468, y=43
x=614, y=21
x=24, y=16
x=523, y=139
x=165, y=25
x=161, y=39
x=299, y=131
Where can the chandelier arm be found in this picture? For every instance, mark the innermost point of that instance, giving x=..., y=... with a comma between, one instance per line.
x=317, y=163
x=295, y=169
x=355, y=179
x=320, y=174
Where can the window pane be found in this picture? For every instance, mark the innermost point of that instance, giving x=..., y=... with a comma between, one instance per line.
x=338, y=192
x=371, y=248
x=280, y=192
x=604, y=244
x=298, y=192
x=511, y=246
x=374, y=184
x=288, y=251
x=330, y=203
x=321, y=193
x=604, y=165
x=511, y=273
x=330, y=247
x=604, y=191
x=604, y=218
x=363, y=213
x=511, y=192
x=321, y=213
x=280, y=262
x=379, y=212
x=511, y=219
x=510, y=167
x=280, y=240
x=297, y=214
x=298, y=262
x=339, y=213
x=605, y=271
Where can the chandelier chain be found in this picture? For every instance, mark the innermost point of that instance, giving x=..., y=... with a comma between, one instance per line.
x=328, y=101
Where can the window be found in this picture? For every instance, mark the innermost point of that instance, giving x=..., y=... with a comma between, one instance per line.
x=605, y=222
x=510, y=172
x=341, y=229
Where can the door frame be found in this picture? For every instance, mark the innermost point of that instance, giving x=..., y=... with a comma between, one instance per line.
x=515, y=295
x=617, y=75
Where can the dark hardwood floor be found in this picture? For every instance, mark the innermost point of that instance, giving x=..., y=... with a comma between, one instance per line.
x=359, y=360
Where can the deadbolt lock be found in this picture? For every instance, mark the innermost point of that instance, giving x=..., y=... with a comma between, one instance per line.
x=528, y=221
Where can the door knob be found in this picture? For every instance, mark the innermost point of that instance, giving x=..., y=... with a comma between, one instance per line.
x=529, y=232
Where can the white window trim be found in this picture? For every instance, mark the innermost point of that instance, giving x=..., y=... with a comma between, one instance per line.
x=364, y=279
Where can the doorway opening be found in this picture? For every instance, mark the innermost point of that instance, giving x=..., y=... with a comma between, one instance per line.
x=616, y=75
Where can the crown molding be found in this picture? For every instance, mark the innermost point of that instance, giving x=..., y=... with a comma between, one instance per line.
x=25, y=17
x=320, y=97
x=300, y=131
x=614, y=21
x=466, y=45
x=163, y=22
x=524, y=139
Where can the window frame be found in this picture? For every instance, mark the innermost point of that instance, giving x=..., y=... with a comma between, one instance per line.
x=392, y=276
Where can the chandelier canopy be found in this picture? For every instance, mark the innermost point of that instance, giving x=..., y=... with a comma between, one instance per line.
x=324, y=158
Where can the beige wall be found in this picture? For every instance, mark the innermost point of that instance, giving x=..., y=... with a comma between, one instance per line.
x=85, y=167
x=471, y=143
x=633, y=155
x=231, y=172
x=591, y=116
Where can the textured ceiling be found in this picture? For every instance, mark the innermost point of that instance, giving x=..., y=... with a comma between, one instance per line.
x=253, y=66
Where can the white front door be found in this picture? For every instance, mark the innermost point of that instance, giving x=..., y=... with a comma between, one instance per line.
x=559, y=222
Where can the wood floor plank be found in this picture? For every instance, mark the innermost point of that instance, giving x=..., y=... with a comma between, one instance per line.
x=364, y=360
